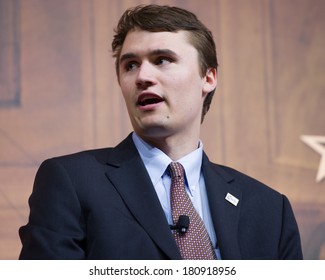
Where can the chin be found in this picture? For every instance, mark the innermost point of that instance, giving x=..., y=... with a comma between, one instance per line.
x=153, y=131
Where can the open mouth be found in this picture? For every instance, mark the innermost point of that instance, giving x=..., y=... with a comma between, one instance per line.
x=149, y=99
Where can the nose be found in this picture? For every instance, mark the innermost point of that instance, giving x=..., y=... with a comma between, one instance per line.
x=145, y=75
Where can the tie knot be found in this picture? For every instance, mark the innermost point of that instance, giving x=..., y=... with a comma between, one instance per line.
x=176, y=170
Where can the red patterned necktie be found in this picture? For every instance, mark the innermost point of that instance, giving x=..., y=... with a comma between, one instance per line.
x=195, y=244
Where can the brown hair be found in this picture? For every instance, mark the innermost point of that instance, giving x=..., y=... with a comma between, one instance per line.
x=155, y=18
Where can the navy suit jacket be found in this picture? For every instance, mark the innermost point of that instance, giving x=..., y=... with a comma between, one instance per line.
x=101, y=204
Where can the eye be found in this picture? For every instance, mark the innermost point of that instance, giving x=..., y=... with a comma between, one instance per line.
x=131, y=65
x=163, y=60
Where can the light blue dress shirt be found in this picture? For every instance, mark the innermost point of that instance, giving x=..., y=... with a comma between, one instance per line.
x=156, y=163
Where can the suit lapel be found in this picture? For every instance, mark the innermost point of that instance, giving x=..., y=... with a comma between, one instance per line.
x=224, y=214
x=128, y=175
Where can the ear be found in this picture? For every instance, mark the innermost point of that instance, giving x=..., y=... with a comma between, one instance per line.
x=210, y=81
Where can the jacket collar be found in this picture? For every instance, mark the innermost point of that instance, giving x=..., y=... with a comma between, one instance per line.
x=128, y=175
x=225, y=215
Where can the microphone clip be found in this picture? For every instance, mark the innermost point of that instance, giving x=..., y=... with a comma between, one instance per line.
x=182, y=225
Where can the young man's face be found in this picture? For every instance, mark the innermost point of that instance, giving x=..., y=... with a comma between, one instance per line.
x=160, y=79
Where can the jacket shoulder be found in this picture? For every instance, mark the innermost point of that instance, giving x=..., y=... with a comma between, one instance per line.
x=112, y=155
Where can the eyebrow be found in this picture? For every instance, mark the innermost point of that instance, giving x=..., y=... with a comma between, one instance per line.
x=156, y=52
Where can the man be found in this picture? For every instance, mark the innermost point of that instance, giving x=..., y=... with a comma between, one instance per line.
x=128, y=202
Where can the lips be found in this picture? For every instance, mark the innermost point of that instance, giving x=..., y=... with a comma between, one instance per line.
x=149, y=99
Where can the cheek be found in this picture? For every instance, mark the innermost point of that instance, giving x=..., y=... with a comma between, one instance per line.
x=191, y=77
x=190, y=89
x=126, y=90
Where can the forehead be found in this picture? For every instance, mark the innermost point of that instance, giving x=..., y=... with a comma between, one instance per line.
x=139, y=41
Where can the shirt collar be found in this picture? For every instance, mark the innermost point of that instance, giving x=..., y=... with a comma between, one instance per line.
x=156, y=162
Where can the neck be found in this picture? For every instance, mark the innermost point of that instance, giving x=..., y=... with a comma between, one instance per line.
x=172, y=146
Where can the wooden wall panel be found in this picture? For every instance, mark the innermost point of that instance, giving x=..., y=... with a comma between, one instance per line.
x=59, y=94
x=296, y=99
x=45, y=120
